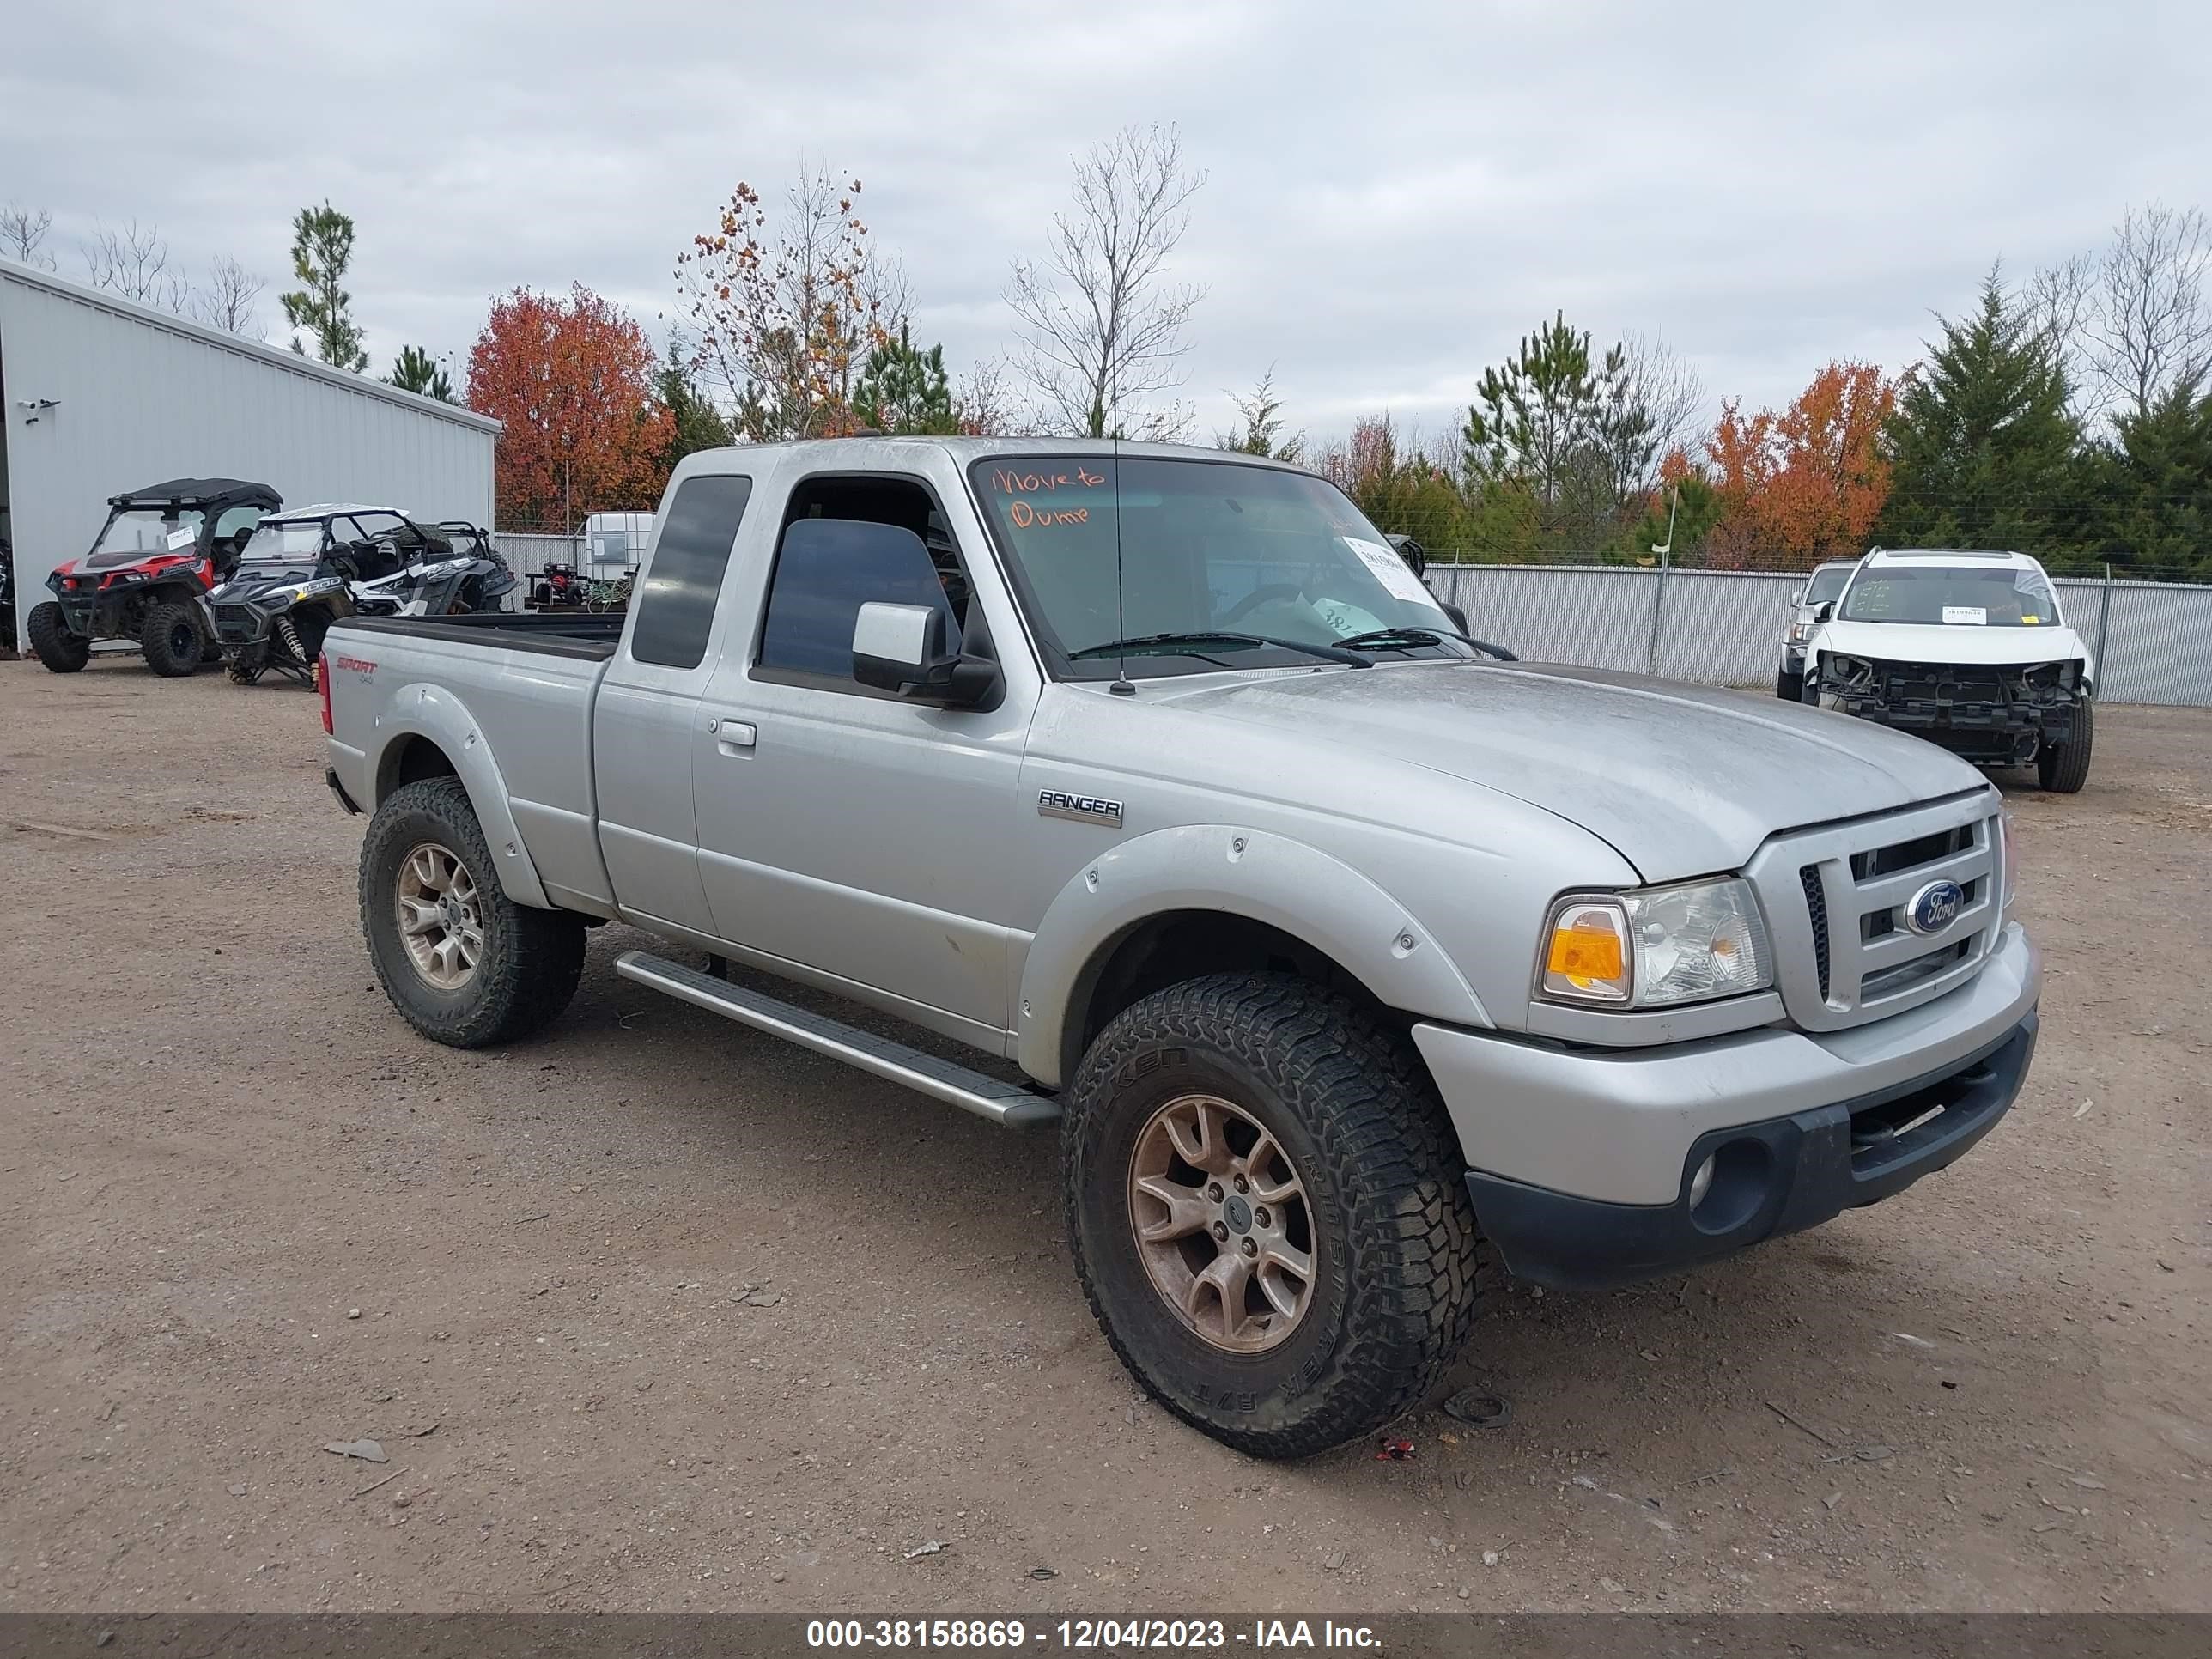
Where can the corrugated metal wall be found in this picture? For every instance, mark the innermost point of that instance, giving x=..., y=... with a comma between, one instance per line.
x=2153, y=641
x=139, y=397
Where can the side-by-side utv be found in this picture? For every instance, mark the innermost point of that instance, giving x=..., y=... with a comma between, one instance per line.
x=161, y=551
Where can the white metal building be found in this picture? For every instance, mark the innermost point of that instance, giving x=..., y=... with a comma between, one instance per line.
x=99, y=396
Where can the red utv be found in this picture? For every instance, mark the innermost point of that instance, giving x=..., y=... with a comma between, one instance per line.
x=148, y=576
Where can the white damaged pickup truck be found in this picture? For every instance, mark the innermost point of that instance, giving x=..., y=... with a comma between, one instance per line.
x=1339, y=949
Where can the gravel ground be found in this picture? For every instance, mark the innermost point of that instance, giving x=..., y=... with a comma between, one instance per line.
x=661, y=1314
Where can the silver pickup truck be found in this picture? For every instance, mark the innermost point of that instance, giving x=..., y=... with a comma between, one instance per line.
x=1339, y=949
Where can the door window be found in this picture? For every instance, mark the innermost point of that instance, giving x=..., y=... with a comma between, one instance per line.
x=847, y=543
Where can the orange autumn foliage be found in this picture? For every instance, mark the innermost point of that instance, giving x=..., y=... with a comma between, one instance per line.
x=573, y=381
x=1804, y=484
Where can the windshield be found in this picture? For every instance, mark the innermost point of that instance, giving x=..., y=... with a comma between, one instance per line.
x=277, y=542
x=1826, y=583
x=1962, y=596
x=1201, y=548
x=144, y=530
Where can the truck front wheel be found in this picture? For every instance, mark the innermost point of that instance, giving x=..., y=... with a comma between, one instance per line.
x=464, y=964
x=1267, y=1208
x=2064, y=767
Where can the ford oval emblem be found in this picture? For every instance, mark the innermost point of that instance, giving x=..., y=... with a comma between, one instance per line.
x=1935, y=907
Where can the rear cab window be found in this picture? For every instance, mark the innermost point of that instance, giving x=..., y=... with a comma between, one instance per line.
x=675, y=607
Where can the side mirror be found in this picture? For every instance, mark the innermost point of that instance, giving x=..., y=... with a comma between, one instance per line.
x=901, y=648
x=1797, y=596
x=1458, y=617
x=1824, y=612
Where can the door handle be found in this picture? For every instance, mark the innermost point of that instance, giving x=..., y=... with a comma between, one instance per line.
x=734, y=734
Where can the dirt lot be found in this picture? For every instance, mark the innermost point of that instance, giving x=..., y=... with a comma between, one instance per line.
x=660, y=1313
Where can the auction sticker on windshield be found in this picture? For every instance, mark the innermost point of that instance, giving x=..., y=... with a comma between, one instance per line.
x=1974, y=615
x=1389, y=569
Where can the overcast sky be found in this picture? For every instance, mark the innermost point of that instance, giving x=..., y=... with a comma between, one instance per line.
x=1397, y=192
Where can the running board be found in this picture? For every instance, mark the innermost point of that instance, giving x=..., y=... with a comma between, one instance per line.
x=1007, y=1104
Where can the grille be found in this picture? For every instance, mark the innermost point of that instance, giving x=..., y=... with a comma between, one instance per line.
x=1816, y=911
x=1837, y=900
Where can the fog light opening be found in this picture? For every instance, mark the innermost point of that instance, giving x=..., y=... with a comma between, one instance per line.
x=1731, y=1186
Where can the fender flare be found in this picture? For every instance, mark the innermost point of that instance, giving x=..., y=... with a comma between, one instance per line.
x=422, y=710
x=1263, y=877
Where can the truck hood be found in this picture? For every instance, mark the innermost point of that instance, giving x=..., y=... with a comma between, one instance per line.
x=1681, y=781
x=1936, y=643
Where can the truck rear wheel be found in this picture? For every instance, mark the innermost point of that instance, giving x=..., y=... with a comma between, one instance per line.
x=2064, y=767
x=464, y=964
x=170, y=638
x=63, y=651
x=1265, y=1205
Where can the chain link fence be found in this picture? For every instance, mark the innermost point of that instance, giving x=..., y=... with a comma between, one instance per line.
x=529, y=550
x=2152, y=640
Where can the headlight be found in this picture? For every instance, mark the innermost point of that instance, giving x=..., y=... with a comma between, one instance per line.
x=1657, y=947
x=1798, y=631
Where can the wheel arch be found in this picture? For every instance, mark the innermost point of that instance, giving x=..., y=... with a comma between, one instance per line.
x=1218, y=898
x=430, y=733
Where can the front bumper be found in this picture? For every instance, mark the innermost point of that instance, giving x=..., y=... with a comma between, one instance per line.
x=1986, y=715
x=1622, y=1128
x=1779, y=1176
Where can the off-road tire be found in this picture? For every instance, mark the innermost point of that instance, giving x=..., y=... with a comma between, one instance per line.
x=2064, y=767
x=52, y=642
x=1394, y=1240
x=160, y=638
x=532, y=958
x=1790, y=686
x=249, y=664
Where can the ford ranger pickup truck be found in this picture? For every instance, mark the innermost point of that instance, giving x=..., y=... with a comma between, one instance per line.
x=1339, y=949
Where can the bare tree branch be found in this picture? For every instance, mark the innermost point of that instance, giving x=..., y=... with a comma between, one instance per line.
x=1100, y=327
x=135, y=263
x=1667, y=388
x=2060, y=300
x=23, y=233
x=2152, y=324
x=230, y=299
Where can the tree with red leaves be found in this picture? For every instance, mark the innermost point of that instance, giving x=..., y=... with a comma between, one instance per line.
x=572, y=379
x=1804, y=484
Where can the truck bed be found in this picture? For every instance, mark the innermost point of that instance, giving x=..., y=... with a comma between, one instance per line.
x=592, y=636
x=508, y=698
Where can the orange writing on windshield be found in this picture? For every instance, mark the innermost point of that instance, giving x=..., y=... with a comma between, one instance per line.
x=1030, y=484
x=1024, y=515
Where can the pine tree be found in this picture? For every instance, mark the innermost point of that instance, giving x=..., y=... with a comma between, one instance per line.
x=2152, y=492
x=416, y=370
x=696, y=423
x=903, y=392
x=1982, y=444
x=322, y=248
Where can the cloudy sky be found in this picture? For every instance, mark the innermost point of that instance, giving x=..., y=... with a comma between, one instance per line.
x=1396, y=191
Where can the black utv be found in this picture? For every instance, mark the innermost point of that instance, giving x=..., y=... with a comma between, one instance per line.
x=152, y=565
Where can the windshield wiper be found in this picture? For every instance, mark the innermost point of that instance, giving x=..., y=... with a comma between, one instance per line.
x=1400, y=638
x=1385, y=639
x=1327, y=653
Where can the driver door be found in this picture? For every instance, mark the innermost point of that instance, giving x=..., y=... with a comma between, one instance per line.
x=862, y=836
